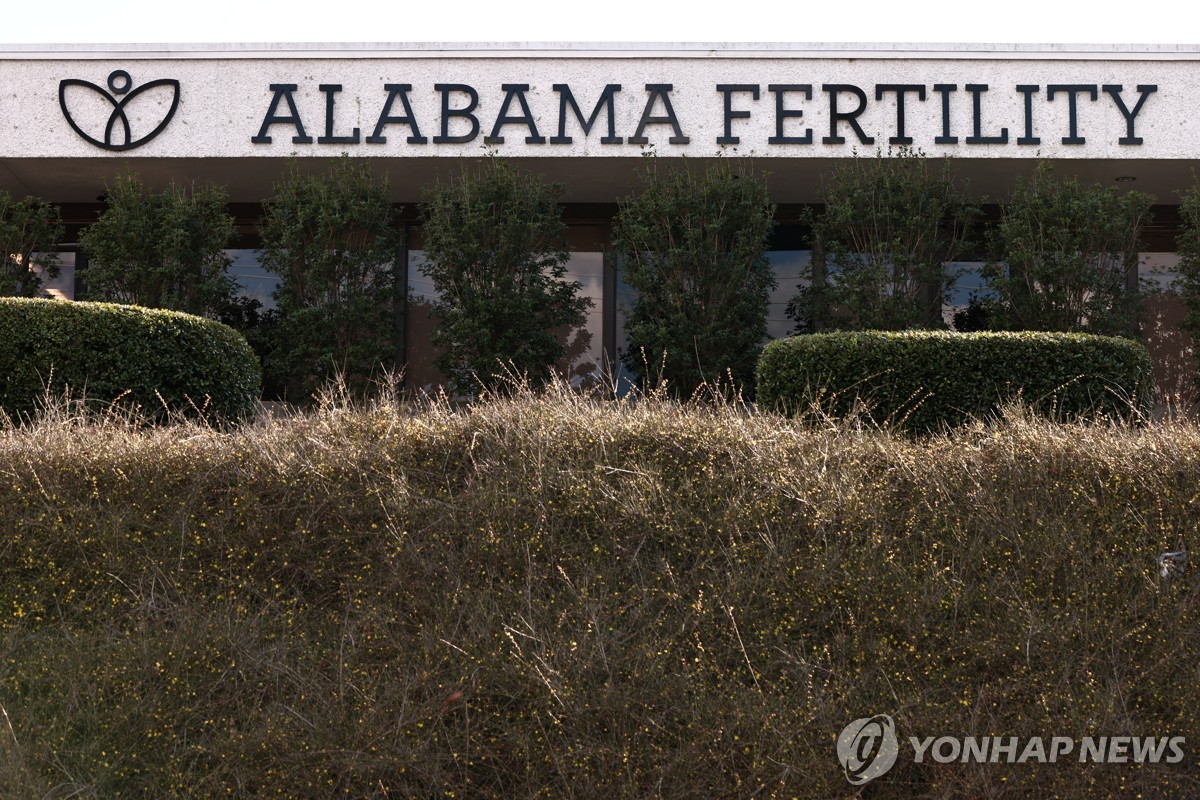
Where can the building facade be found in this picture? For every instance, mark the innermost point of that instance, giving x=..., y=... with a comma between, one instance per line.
x=585, y=116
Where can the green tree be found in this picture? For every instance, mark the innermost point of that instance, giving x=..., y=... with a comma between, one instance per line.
x=30, y=229
x=332, y=240
x=1187, y=245
x=693, y=244
x=890, y=227
x=496, y=252
x=1066, y=257
x=160, y=250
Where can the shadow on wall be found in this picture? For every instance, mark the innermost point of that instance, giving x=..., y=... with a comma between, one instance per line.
x=1172, y=350
x=421, y=372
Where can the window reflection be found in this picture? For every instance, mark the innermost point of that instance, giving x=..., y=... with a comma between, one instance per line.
x=63, y=286
x=252, y=280
x=793, y=271
x=969, y=284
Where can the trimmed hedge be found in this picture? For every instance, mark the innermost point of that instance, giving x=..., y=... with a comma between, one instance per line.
x=128, y=354
x=924, y=380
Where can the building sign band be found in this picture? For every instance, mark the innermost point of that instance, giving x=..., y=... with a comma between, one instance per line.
x=779, y=113
x=844, y=104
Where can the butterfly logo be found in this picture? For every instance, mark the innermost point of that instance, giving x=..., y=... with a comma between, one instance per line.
x=120, y=97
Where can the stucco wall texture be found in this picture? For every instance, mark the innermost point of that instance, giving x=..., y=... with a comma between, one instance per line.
x=224, y=99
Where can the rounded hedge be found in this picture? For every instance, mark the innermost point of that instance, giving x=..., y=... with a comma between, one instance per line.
x=924, y=380
x=159, y=361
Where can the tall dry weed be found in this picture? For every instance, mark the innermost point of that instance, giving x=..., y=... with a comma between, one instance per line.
x=548, y=594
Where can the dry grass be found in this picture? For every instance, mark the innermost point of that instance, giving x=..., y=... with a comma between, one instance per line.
x=548, y=596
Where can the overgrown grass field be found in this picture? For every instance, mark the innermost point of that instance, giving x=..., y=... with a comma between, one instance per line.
x=547, y=596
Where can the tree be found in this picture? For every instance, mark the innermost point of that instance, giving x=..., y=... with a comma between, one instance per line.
x=332, y=240
x=890, y=228
x=30, y=229
x=1187, y=245
x=1066, y=257
x=693, y=245
x=164, y=250
x=496, y=252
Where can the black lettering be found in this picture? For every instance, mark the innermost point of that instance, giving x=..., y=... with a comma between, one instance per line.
x=1130, y=116
x=395, y=90
x=447, y=112
x=565, y=98
x=977, y=90
x=781, y=113
x=518, y=91
x=1072, y=90
x=282, y=91
x=331, y=89
x=730, y=115
x=663, y=91
x=944, y=89
x=1029, y=138
x=900, y=89
x=835, y=116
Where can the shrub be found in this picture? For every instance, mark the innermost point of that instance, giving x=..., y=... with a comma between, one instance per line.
x=694, y=247
x=496, y=252
x=1066, y=257
x=927, y=379
x=161, y=361
x=164, y=250
x=889, y=229
x=29, y=231
x=332, y=240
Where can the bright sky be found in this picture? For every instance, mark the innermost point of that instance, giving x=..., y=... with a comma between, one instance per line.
x=977, y=21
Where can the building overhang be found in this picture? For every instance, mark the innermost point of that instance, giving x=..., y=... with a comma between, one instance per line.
x=587, y=115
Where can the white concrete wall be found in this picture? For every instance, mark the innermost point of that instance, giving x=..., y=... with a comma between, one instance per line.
x=225, y=97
